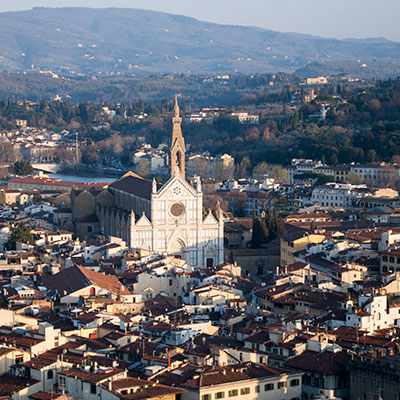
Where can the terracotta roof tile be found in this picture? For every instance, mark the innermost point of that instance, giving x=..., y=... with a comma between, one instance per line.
x=235, y=373
x=76, y=277
x=322, y=362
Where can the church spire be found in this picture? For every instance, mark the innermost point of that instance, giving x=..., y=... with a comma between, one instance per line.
x=177, y=150
x=176, y=107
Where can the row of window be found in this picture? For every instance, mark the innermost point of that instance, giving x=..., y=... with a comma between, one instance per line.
x=390, y=269
x=327, y=197
x=391, y=259
x=313, y=381
x=327, y=204
x=243, y=391
x=268, y=349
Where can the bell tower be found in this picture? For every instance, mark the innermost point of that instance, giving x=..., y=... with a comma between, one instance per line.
x=177, y=150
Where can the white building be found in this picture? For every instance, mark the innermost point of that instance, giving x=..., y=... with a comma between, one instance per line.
x=375, y=313
x=166, y=219
x=245, y=118
x=170, y=276
x=319, y=80
x=248, y=380
x=305, y=166
x=336, y=194
x=377, y=174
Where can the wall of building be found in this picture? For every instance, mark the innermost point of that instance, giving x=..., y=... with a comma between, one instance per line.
x=374, y=379
x=250, y=390
x=288, y=248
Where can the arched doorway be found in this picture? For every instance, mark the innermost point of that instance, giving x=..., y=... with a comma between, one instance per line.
x=210, y=257
x=177, y=248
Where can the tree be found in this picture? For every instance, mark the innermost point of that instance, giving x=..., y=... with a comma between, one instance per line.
x=20, y=233
x=283, y=206
x=22, y=168
x=334, y=159
x=355, y=178
x=199, y=167
x=238, y=205
x=143, y=168
x=268, y=134
x=261, y=169
x=280, y=230
x=211, y=201
x=244, y=167
x=223, y=172
x=260, y=232
x=319, y=179
x=253, y=134
x=274, y=224
x=90, y=156
x=37, y=197
x=273, y=171
x=279, y=174
x=372, y=157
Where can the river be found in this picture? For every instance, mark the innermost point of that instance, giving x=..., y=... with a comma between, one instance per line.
x=86, y=179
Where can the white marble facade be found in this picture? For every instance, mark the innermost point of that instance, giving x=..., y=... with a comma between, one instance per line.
x=177, y=225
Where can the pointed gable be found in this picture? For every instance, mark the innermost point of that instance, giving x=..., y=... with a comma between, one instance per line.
x=210, y=219
x=143, y=221
x=177, y=181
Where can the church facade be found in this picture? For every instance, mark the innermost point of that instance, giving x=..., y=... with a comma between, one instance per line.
x=168, y=219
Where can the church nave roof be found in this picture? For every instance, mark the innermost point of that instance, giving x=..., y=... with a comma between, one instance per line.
x=132, y=183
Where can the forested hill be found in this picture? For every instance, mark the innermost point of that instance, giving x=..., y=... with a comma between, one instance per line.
x=84, y=40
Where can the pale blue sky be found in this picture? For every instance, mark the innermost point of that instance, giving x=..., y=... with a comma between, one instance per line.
x=330, y=18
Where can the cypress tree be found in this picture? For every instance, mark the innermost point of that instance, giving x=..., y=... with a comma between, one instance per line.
x=280, y=227
x=268, y=220
x=260, y=232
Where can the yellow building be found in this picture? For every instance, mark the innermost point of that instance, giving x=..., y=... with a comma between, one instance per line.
x=294, y=242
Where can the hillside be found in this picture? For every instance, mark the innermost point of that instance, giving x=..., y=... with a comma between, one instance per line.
x=84, y=40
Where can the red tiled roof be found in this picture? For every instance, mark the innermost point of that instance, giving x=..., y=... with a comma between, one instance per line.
x=259, y=337
x=235, y=373
x=147, y=389
x=90, y=376
x=49, y=181
x=10, y=384
x=326, y=362
x=74, y=278
x=48, y=396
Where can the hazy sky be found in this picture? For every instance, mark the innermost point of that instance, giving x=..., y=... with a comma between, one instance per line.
x=332, y=18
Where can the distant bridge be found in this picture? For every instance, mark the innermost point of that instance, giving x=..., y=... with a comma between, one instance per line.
x=49, y=168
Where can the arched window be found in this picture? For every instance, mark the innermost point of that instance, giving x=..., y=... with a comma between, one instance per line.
x=50, y=374
x=178, y=160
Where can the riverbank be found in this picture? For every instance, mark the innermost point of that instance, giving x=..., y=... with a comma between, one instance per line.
x=84, y=171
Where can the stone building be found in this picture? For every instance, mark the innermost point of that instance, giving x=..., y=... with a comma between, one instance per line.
x=374, y=377
x=168, y=219
x=83, y=208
